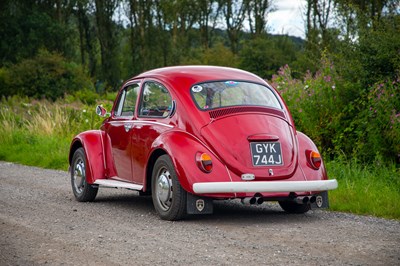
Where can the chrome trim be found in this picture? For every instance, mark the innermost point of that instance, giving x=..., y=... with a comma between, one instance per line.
x=264, y=186
x=151, y=123
x=139, y=122
x=117, y=184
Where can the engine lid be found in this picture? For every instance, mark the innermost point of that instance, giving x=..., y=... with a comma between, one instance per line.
x=259, y=143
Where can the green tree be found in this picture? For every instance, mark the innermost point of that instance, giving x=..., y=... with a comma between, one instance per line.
x=107, y=34
x=264, y=56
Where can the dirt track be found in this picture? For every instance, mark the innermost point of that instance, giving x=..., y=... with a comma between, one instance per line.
x=41, y=223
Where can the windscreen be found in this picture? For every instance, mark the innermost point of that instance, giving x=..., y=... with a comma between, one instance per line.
x=212, y=95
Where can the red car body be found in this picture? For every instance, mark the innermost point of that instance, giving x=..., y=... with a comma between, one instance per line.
x=221, y=133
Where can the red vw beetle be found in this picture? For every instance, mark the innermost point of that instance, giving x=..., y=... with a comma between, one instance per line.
x=189, y=135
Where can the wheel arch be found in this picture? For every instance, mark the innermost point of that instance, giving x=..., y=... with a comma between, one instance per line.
x=76, y=144
x=182, y=148
x=157, y=153
x=92, y=142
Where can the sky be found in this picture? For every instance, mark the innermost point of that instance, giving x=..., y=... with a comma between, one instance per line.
x=288, y=18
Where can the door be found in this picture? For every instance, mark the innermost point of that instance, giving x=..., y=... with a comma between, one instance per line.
x=120, y=131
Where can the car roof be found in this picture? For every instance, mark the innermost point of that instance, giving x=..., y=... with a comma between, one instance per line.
x=189, y=75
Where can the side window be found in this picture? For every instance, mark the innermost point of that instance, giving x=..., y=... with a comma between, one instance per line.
x=127, y=100
x=156, y=100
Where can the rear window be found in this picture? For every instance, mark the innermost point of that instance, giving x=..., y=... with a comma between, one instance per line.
x=219, y=94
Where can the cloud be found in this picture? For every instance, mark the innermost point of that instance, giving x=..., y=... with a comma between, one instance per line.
x=288, y=18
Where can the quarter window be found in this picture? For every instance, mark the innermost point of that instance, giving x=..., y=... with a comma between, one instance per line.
x=156, y=100
x=127, y=100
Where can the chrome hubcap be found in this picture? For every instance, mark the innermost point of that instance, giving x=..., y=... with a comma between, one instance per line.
x=79, y=176
x=164, y=189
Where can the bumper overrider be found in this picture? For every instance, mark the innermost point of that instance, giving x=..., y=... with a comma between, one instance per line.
x=264, y=186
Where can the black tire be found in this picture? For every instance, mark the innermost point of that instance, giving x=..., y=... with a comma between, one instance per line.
x=82, y=190
x=293, y=207
x=169, y=198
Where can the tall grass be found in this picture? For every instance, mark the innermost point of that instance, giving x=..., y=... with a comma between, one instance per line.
x=39, y=133
x=372, y=190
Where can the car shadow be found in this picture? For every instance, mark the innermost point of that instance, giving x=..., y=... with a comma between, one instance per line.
x=224, y=210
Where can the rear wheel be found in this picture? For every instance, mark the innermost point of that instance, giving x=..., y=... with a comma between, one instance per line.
x=82, y=190
x=294, y=207
x=169, y=198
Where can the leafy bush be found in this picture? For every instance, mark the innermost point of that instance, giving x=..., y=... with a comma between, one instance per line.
x=379, y=122
x=365, y=126
x=47, y=76
x=315, y=103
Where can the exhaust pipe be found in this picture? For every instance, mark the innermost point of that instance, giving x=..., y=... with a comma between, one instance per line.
x=249, y=201
x=302, y=200
x=256, y=199
x=306, y=199
x=313, y=199
x=260, y=200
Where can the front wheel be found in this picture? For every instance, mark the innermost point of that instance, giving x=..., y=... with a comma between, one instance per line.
x=169, y=198
x=294, y=207
x=82, y=190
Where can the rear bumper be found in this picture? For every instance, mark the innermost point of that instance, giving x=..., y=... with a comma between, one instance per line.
x=264, y=186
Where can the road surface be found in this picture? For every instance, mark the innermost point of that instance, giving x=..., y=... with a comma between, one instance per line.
x=41, y=223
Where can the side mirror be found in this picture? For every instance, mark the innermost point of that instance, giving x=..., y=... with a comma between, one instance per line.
x=101, y=111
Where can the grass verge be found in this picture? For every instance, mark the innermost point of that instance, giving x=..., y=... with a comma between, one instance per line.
x=367, y=190
x=29, y=149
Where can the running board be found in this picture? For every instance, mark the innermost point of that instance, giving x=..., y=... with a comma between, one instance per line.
x=117, y=184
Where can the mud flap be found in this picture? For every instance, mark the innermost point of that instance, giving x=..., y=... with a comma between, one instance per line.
x=322, y=201
x=199, y=205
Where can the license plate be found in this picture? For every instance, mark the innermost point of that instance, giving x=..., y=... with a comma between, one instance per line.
x=266, y=153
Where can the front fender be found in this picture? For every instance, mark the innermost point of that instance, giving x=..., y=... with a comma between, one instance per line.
x=305, y=143
x=92, y=142
x=182, y=148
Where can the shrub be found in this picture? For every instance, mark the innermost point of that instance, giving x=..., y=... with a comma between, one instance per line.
x=365, y=126
x=379, y=122
x=315, y=103
x=47, y=76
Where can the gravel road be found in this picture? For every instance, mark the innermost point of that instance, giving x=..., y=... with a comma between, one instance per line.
x=41, y=223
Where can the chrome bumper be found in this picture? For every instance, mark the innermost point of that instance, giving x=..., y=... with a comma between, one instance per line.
x=264, y=186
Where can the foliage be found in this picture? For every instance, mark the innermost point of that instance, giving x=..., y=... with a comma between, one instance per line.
x=315, y=102
x=47, y=76
x=264, y=56
x=27, y=27
x=364, y=127
x=379, y=48
x=379, y=122
x=218, y=55
x=141, y=34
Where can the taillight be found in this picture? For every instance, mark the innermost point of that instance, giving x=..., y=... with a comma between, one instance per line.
x=314, y=159
x=204, y=162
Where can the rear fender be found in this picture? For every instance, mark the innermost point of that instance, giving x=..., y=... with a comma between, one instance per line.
x=305, y=143
x=182, y=148
x=92, y=142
